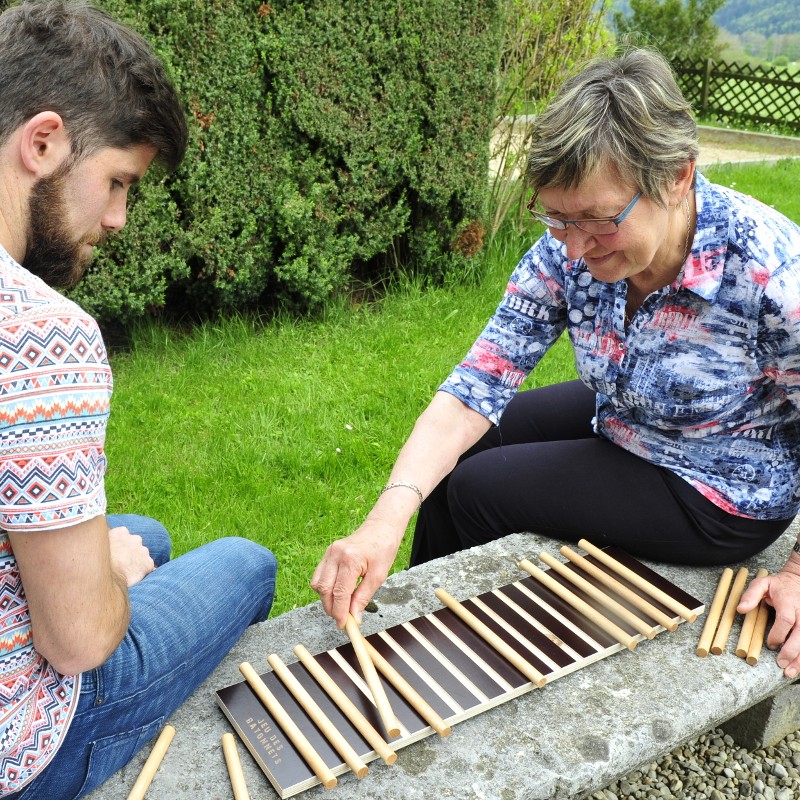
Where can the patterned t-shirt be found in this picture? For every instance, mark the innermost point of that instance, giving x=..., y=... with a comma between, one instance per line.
x=55, y=389
x=706, y=379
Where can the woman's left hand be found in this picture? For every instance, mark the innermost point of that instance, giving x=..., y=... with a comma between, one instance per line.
x=782, y=592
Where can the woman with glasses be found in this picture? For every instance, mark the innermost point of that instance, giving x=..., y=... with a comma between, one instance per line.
x=681, y=299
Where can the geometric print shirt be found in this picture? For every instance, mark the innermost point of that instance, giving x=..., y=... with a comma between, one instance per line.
x=55, y=388
x=704, y=382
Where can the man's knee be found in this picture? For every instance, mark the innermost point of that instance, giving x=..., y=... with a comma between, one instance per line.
x=246, y=558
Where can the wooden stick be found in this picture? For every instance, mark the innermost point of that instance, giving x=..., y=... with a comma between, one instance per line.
x=371, y=677
x=637, y=580
x=712, y=620
x=234, y=767
x=346, y=705
x=746, y=633
x=318, y=716
x=491, y=638
x=729, y=612
x=757, y=640
x=152, y=764
x=620, y=588
x=584, y=608
x=412, y=696
x=648, y=631
x=295, y=735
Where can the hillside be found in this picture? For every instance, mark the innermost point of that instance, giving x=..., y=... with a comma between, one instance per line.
x=767, y=17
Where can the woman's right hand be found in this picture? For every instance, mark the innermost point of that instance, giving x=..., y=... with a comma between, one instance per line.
x=353, y=569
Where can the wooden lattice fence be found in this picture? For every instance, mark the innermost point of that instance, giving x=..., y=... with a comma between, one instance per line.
x=731, y=91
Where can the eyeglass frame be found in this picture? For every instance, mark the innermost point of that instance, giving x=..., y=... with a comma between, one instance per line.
x=561, y=224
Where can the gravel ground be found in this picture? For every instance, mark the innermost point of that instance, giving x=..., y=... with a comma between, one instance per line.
x=713, y=767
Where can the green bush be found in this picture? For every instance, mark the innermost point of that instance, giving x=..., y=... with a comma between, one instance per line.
x=330, y=139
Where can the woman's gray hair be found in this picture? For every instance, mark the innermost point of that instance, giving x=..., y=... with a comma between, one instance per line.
x=625, y=112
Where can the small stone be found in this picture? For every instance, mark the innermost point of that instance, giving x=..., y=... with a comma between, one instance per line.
x=779, y=771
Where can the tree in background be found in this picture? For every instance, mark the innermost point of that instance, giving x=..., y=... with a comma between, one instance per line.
x=543, y=42
x=674, y=28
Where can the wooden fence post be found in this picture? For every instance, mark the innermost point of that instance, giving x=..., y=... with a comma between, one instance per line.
x=706, y=82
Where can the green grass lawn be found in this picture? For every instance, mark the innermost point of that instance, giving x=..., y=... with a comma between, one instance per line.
x=284, y=431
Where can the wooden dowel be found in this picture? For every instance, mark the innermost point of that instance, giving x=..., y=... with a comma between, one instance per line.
x=759, y=629
x=639, y=581
x=746, y=633
x=234, y=767
x=371, y=677
x=152, y=764
x=491, y=638
x=729, y=612
x=412, y=696
x=648, y=631
x=712, y=620
x=621, y=589
x=318, y=716
x=288, y=726
x=611, y=628
x=346, y=705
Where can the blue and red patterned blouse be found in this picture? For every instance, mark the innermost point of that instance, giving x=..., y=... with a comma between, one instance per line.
x=55, y=390
x=704, y=382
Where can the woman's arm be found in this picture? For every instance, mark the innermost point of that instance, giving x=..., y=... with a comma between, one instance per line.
x=441, y=434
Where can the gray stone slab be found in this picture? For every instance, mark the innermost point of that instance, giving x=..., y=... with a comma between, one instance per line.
x=573, y=737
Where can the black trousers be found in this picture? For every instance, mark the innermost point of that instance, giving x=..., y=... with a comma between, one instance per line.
x=543, y=470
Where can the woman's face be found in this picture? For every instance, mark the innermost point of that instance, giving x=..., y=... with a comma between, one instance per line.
x=648, y=242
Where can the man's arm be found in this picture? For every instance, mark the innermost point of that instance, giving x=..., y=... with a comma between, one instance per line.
x=76, y=582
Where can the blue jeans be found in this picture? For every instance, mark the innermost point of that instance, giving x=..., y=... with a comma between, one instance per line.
x=185, y=617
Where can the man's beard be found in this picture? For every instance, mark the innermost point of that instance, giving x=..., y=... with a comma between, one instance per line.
x=51, y=252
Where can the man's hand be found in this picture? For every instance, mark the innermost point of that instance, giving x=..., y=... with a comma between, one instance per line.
x=782, y=592
x=129, y=557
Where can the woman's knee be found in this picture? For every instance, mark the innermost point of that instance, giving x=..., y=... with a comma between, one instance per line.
x=467, y=503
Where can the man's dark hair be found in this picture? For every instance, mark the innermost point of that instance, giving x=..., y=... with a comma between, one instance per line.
x=100, y=76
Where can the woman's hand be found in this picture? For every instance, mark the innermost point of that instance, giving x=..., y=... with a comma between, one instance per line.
x=782, y=592
x=367, y=556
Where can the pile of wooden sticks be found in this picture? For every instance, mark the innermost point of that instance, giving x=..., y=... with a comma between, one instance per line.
x=721, y=616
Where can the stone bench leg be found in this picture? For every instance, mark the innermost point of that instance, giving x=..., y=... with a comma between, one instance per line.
x=767, y=722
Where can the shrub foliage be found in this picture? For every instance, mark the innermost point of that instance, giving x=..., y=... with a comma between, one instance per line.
x=330, y=139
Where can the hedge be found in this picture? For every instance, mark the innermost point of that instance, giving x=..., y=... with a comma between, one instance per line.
x=330, y=139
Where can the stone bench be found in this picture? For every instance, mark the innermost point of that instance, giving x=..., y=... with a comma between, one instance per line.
x=567, y=740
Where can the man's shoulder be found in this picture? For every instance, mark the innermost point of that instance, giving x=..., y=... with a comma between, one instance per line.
x=45, y=337
x=27, y=304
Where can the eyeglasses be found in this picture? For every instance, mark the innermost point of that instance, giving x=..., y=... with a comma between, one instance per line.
x=599, y=226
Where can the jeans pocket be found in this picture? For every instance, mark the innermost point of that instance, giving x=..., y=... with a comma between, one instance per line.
x=112, y=753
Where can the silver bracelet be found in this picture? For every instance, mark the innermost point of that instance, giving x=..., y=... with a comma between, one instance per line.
x=411, y=486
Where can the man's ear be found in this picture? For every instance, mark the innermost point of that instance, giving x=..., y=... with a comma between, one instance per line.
x=44, y=144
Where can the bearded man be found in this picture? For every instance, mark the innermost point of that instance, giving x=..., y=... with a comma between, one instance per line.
x=102, y=636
